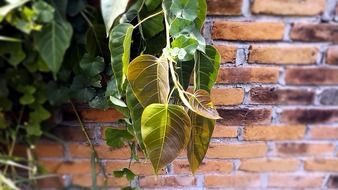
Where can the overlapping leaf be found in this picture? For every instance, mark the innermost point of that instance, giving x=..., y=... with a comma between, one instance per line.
x=149, y=79
x=165, y=131
x=119, y=45
x=201, y=103
x=206, y=68
x=201, y=131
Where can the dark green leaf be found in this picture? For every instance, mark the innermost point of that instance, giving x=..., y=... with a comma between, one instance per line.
x=184, y=71
x=152, y=4
x=12, y=53
x=45, y=12
x=186, y=9
x=99, y=102
x=92, y=66
x=124, y=172
x=116, y=137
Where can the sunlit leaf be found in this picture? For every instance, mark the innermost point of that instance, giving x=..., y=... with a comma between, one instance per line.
x=201, y=103
x=201, y=131
x=206, y=68
x=9, y=39
x=119, y=45
x=4, y=10
x=165, y=132
x=111, y=10
x=149, y=79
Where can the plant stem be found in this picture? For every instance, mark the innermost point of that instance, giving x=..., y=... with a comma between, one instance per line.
x=97, y=159
x=149, y=17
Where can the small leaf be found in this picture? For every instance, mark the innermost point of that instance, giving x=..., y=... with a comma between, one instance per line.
x=4, y=10
x=188, y=44
x=201, y=132
x=111, y=10
x=119, y=45
x=149, y=79
x=202, y=105
x=99, y=102
x=115, y=137
x=117, y=102
x=186, y=9
x=124, y=172
x=92, y=66
x=206, y=68
x=53, y=42
x=12, y=53
x=27, y=99
x=45, y=12
x=165, y=131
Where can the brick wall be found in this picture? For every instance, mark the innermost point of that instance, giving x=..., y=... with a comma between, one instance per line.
x=277, y=92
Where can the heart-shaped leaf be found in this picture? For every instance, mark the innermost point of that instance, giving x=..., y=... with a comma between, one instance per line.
x=206, y=68
x=119, y=45
x=201, y=103
x=165, y=132
x=201, y=131
x=149, y=79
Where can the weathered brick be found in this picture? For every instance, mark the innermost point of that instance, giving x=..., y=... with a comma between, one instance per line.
x=277, y=54
x=222, y=131
x=247, y=31
x=324, y=132
x=288, y=7
x=326, y=165
x=75, y=167
x=274, y=132
x=311, y=76
x=227, y=96
x=51, y=166
x=104, y=151
x=232, y=181
x=295, y=181
x=246, y=150
x=333, y=181
x=231, y=75
x=309, y=115
x=332, y=55
x=315, y=32
x=167, y=181
x=41, y=150
x=219, y=166
x=140, y=168
x=304, y=149
x=93, y=115
x=51, y=183
x=269, y=165
x=228, y=53
x=329, y=97
x=86, y=181
x=71, y=133
x=224, y=7
x=245, y=116
x=273, y=95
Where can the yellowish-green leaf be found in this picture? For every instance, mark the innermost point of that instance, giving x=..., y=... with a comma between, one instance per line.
x=201, y=103
x=149, y=79
x=201, y=131
x=165, y=132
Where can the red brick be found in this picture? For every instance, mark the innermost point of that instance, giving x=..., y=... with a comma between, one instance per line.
x=86, y=181
x=232, y=181
x=273, y=54
x=245, y=116
x=231, y=75
x=304, y=149
x=269, y=165
x=311, y=75
x=332, y=55
x=247, y=31
x=93, y=115
x=140, y=168
x=76, y=167
x=228, y=53
x=325, y=165
x=295, y=181
x=51, y=166
x=207, y=166
x=309, y=115
x=309, y=32
x=324, y=132
x=222, y=131
x=274, y=132
x=104, y=151
x=288, y=7
x=224, y=7
x=49, y=150
x=273, y=95
x=51, y=182
x=246, y=150
x=227, y=96
x=71, y=133
x=167, y=181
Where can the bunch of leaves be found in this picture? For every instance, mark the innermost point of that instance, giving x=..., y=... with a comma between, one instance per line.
x=156, y=48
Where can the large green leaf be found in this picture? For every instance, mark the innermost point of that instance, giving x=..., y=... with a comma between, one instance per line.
x=201, y=13
x=201, y=132
x=201, y=104
x=136, y=111
x=165, y=132
x=152, y=4
x=149, y=79
x=186, y=9
x=119, y=45
x=206, y=68
x=184, y=71
x=52, y=43
x=111, y=9
x=153, y=26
